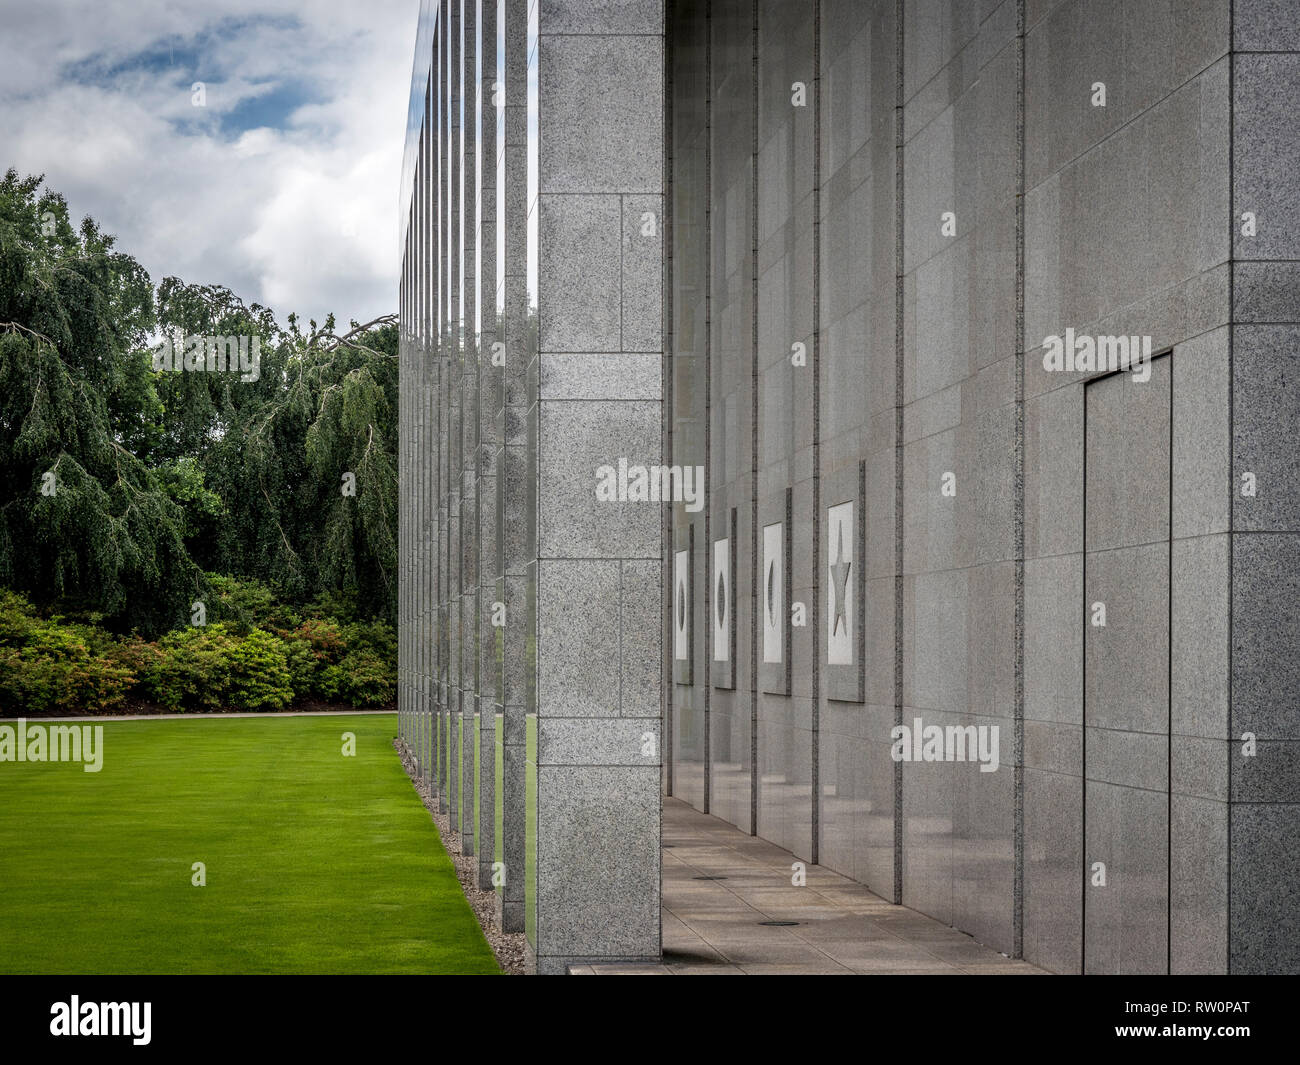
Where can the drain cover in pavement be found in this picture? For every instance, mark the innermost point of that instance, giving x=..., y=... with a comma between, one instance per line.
x=779, y=924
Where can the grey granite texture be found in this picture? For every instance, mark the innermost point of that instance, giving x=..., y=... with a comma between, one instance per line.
x=946, y=199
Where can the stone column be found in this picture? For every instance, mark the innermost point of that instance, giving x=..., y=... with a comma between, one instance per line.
x=403, y=700
x=455, y=430
x=439, y=442
x=511, y=587
x=597, y=376
x=489, y=673
x=445, y=369
x=1261, y=635
x=417, y=482
x=469, y=425
x=432, y=533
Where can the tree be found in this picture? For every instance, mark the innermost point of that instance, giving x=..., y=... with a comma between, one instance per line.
x=122, y=482
x=295, y=518
x=82, y=517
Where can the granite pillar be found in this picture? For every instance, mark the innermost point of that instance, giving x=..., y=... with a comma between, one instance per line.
x=596, y=381
x=517, y=545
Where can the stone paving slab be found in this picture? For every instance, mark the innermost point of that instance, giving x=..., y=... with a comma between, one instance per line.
x=715, y=926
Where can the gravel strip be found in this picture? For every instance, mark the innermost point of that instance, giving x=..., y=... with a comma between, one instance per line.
x=509, y=947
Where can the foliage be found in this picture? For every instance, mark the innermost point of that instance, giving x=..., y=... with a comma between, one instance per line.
x=259, y=673
x=121, y=484
x=55, y=672
x=194, y=670
x=51, y=665
x=201, y=509
x=362, y=678
x=245, y=604
x=282, y=467
x=83, y=516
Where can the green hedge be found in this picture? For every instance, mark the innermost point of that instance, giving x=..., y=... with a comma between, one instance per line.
x=259, y=656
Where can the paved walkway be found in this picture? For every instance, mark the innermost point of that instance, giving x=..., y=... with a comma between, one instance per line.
x=715, y=926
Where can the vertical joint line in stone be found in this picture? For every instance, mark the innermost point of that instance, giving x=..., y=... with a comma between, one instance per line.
x=1169, y=690
x=708, y=270
x=622, y=208
x=815, y=849
x=753, y=420
x=1232, y=410
x=898, y=436
x=666, y=418
x=1083, y=709
x=1018, y=709
x=708, y=324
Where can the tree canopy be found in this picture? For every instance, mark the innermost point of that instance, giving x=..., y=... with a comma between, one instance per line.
x=123, y=485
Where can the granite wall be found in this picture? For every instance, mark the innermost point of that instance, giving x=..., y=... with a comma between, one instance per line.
x=829, y=254
x=532, y=353
x=905, y=203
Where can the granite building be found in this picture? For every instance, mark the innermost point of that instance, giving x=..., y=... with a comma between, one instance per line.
x=874, y=423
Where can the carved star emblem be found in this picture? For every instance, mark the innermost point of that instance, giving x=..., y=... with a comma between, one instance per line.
x=840, y=584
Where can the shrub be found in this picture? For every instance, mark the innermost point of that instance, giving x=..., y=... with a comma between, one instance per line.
x=362, y=678
x=334, y=606
x=134, y=654
x=243, y=604
x=310, y=648
x=259, y=673
x=193, y=668
x=54, y=671
x=379, y=637
x=304, y=669
x=326, y=640
x=50, y=665
x=18, y=619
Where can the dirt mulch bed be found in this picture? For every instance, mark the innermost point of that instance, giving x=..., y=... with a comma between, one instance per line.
x=509, y=947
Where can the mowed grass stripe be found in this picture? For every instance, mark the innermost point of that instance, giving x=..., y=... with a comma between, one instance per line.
x=316, y=862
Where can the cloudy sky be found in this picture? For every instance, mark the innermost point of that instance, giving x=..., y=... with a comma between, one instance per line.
x=282, y=186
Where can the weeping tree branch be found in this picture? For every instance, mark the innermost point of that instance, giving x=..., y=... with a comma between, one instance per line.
x=329, y=342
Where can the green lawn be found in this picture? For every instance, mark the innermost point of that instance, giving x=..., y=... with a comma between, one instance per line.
x=315, y=862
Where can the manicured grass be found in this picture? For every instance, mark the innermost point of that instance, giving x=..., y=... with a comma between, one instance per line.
x=315, y=862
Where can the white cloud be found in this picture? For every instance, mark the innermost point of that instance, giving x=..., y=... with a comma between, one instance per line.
x=291, y=204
